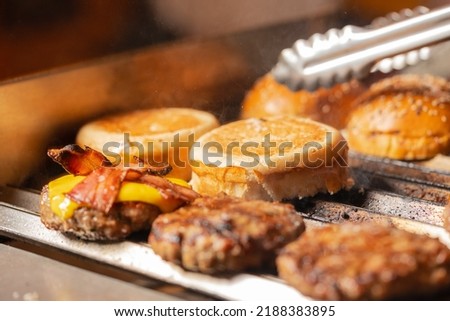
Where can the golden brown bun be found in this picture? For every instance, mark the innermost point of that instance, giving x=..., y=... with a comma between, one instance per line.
x=402, y=117
x=152, y=129
x=273, y=158
x=329, y=106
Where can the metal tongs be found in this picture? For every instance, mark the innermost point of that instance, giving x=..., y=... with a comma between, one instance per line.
x=389, y=43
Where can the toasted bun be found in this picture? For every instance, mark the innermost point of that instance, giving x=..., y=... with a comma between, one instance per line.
x=151, y=135
x=329, y=106
x=402, y=117
x=272, y=159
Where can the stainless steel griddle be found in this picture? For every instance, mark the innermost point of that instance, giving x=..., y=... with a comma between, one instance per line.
x=415, y=204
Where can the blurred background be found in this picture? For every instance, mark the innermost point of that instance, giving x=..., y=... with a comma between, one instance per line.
x=37, y=35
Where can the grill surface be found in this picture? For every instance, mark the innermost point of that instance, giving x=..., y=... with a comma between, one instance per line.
x=411, y=196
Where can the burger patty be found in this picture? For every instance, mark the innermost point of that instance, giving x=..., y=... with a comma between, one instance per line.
x=365, y=261
x=225, y=234
x=90, y=224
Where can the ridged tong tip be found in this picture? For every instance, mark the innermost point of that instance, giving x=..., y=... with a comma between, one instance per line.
x=389, y=43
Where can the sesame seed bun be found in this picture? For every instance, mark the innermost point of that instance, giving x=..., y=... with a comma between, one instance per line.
x=402, y=117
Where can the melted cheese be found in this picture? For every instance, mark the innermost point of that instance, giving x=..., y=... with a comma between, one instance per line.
x=129, y=191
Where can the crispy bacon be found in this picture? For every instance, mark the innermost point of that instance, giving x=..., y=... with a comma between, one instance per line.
x=102, y=184
x=169, y=189
x=99, y=189
x=78, y=161
x=139, y=167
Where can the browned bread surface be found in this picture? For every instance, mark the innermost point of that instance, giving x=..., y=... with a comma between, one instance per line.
x=402, y=117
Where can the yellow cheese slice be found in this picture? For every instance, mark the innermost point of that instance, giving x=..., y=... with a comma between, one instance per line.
x=129, y=191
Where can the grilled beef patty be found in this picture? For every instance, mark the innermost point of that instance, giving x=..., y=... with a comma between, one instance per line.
x=365, y=261
x=225, y=234
x=90, y=224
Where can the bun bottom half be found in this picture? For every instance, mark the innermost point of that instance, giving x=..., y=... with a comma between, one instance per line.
x=252, y=185
x=399, y=147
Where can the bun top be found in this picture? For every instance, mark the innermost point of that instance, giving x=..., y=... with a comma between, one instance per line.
x=271, y=144
x=149, y=125
x=155, y=136
x=154, y=122
x=328, y=105
x=268, y=98
x=409, y=105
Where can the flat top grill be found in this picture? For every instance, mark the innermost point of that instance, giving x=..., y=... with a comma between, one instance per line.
x=412, y=196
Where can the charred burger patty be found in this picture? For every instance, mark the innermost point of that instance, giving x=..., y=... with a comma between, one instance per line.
x=365, y=261
x=225, y=234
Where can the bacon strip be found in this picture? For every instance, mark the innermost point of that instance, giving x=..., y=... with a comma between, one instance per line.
x=169, y=189
x=101, y=186
x=99, y=190
x=139, y=168
x=78, y=161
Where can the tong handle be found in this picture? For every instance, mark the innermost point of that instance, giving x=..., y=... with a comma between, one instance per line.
x=352, y=51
